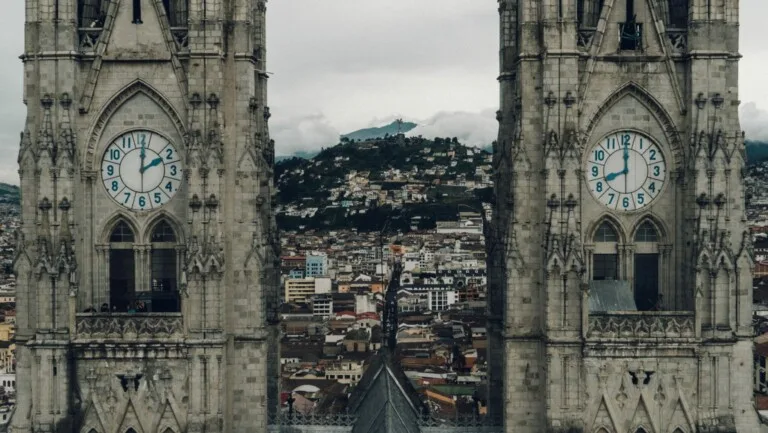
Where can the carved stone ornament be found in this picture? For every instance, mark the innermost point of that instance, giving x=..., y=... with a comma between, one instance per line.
x=134, y=325
x=641, y=326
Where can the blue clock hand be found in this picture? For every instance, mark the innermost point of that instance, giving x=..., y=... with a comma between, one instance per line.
x=626, y=159
x=612, y=176
x=154, y=162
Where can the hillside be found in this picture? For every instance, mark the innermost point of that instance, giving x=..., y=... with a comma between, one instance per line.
x=10, y=194
x=360, y=183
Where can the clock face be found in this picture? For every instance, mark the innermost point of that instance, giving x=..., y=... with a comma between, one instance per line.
x=625, y=171
x=141, y=170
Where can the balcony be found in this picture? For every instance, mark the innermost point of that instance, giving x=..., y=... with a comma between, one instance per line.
x=128, y=326
x=641, y=325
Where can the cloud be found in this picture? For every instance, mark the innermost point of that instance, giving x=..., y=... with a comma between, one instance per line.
x=477, y=129
x=754, y=122
x=302, y=133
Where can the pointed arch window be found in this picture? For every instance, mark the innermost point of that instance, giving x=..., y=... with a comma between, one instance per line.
x=646, y=233
x=177, y=12
x=605, y=261
x=91, y=14
x=589, y=12
x=606, y=233
x=163, y=295
x=122, y=268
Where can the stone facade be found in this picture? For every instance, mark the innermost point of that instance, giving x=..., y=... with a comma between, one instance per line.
x=566, y=83
x=201, y=83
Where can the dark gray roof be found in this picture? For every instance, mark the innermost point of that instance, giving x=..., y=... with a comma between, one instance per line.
x=384, y=400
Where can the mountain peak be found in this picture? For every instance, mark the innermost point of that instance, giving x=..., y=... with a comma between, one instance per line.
x=380, y=132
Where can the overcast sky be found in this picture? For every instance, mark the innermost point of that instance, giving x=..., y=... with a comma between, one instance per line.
x=341, y=65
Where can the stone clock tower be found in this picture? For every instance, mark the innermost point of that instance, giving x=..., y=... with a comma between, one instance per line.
x=146, y=260
x=621, y=295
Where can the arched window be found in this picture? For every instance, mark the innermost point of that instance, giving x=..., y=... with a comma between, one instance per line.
x=640, y=430
x=605, y=233
x=605, y=263
x=647, y=266
x=91, y=13
x=646, y=233
x=589, y=12
x=163, y=273
x=177, y=12
x=122, y=269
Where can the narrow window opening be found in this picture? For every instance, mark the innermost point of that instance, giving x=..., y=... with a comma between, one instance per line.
x=630, y=31
x=121, y=268
x=137, y=12
x=91, y=13
x=177, y=12
x=588, y=12
x=678, y=14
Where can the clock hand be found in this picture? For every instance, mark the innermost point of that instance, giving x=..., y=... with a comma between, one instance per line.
x=612, y=176
x=154, y=162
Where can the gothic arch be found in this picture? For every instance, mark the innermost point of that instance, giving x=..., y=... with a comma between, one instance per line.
x=162, y=215
x=657, y=223
x=654, y=107
x=613, y=222
x=113, y=221
x=603, y=430
x=115, y=103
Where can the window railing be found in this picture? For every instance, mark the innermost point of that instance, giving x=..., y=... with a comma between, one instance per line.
x=630, y=36
x=642, y=324
x=129, y=325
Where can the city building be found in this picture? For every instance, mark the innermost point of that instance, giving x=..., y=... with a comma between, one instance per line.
x=148, y=255
x=316, y=264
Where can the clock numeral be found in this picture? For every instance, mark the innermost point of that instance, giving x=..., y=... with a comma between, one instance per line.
x=594, y=171
x=169, y=187
x=173, y=170
x=641, y=144
x=652, y=187
x=115, y=186
x=142, y=202
x=127, y=142
x=656, y=170
x=110, y=170
x=158, y=197
x=640, y=198
x=169, y=154
x=114, y=154
x=611, y=196
x=127, y=196
x=625, y=202
x=625, y=140
x=142, y=139
x=611, y=144
x=599, y=187
x=599, y=155
x=652, y=154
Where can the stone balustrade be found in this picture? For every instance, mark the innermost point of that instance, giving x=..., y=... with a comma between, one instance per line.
x=145, y=326
x=641, y=325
